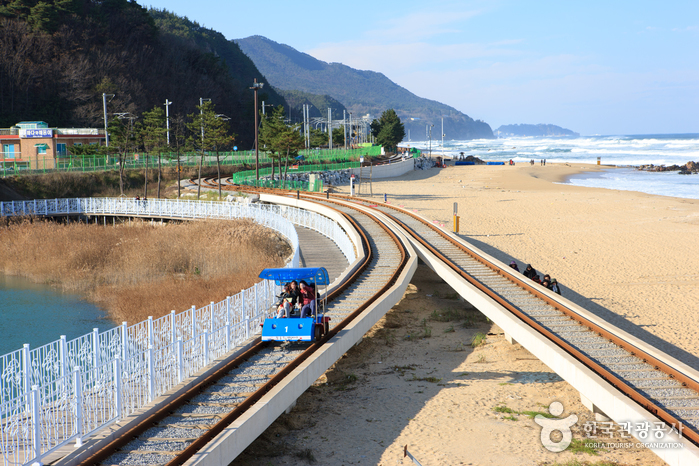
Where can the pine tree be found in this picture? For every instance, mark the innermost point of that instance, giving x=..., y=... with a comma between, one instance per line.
x=388, y=130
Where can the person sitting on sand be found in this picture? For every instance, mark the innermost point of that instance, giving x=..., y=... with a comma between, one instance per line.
x=536, y=278
x=513, y=265
x=547, y=278
x=546, y=284
x=554, y=286
x=529, y=272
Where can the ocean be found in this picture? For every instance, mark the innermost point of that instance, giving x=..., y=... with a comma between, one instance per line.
x=621, y=151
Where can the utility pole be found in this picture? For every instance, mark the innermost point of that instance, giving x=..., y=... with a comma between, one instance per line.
x=104, y=106
x=307, y=125
x=167, y=119
x=201, y=112
x=330, y=128
x=344, y=127
x=350, y=130
x=256, y=87
x=442, y=136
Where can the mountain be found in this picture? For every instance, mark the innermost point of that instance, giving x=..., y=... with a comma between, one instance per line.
x=319, y=104
x=360, y=91
x=59, y=56
x=535, y=130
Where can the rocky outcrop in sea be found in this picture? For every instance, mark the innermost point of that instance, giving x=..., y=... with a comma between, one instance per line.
x=689, y=168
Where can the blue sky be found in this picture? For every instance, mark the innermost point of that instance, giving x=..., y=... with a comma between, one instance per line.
x=596, y=67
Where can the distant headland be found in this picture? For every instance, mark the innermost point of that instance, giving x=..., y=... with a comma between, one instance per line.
x=534, y=130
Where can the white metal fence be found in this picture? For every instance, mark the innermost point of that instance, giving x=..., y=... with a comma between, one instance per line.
x=67, y=390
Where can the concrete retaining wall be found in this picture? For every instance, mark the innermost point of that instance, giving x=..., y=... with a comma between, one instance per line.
x=389, y=170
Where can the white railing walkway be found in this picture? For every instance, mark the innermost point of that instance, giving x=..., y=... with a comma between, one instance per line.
x=67, y=390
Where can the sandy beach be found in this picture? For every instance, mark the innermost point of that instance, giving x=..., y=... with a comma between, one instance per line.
x=625, y=256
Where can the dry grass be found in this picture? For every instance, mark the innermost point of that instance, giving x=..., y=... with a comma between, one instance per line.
x=139, y=269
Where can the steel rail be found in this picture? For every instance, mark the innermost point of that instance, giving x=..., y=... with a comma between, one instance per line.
x=250, y=401
x=615, y=381
x=99, y=456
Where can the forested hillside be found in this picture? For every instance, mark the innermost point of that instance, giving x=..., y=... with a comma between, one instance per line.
x=319, y=105
x=540, y=130
x=59, y=56
x=360, y=91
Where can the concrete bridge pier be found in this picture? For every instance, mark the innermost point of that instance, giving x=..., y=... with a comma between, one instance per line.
x=599, y=414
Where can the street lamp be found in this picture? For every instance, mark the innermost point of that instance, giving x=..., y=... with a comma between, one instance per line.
x=432, y=126
x=256, y=87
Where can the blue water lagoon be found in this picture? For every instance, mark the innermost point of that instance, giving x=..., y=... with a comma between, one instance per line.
x=38, y=314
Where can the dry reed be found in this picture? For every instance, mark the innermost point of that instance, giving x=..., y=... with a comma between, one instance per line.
x=138, y=269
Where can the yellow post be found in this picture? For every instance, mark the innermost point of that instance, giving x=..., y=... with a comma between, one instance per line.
x=456, y=224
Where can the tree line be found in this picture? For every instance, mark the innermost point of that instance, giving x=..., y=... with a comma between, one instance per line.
x=60, y=56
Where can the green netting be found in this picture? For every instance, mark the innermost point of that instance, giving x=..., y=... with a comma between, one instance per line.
x=248, y=177
x=139, y=161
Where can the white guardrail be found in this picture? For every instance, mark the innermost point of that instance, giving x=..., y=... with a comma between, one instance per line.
x=67, y=390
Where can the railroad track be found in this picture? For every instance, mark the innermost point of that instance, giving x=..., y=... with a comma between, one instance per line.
x=664, y=391
x=174, y=433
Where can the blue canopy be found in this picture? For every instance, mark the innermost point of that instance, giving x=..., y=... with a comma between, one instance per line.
x=317, y=275
x=300, y=157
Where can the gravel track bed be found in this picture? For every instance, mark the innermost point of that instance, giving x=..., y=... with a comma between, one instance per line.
x=606, y=352
x=682, y=404
x=597, y=345
x=172, y=432
x=208, y=397
x=621, y=370
x=613, y=360
x=199, y=409
x=227, y=398
x=235, y=388
x=667, y=383
x=544, y=313
x=156, y=445
x=184, y=422
x=689, y=418
x=651, y=374
x=667, y=392
x=579, y=341
x=126, y=459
